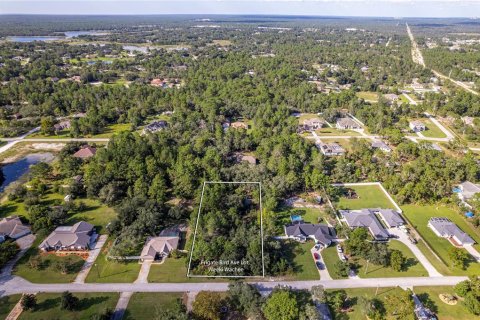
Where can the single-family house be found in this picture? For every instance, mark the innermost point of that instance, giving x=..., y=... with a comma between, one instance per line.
x=445, y=228
x=157, y=248
x=239, y=125
x=391, y=97
x=312, y=124
x=85, y=152
x=320, y=233
x=79, y=237
x=331, y=149
x=391, y=218
x=155, y=126
x=417, y=126
x=62, y=125
x=13, y=228
x=467, y=190
x=247, y=158
x=365, y=218
x=468, y=121
x=347, y=123
x=378, y=144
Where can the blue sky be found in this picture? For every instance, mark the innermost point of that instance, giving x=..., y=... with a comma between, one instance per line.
x=385, y=8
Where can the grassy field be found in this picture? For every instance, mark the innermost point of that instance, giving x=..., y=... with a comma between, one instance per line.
x=368, y=96
x=90, y=304
x=175, y=270
x=144, y=306
x=108, y=271
x=430, y=297
x=412, y=267
x=109, y=131
x=356, y=312
x=7, y=303
x=310, y=215
x=433, y=131
x=418, y=215
x=48, y=272
x=330, y=257
x=323, y=132
x=368, y=197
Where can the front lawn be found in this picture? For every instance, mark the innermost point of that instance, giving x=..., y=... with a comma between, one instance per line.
x=7, y=303
x=175, y=270
x=145, y=305
x=330, y=258
x=90, y=304
x=305, y=268
x=47, y=271
x=430, y=297
x=418, y=215
x=413, y=268
x=368, y=197
x=110, y=271
x=433, y=131
x=336, y=132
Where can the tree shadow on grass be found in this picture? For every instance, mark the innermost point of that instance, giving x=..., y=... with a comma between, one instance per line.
x=48, y=304
x=86, y=303
x=428, y=302
x=8, y=209
x=410, y=262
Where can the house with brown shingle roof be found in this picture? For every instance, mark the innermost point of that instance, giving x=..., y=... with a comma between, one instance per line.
x=85, y=152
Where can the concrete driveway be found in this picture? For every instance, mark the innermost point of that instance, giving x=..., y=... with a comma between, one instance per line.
x=24, y=243
x=92, y=256
x=324, y=275
x=473, y=252
x=403, y=237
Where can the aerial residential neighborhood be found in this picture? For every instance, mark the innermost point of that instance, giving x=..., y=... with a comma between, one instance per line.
x=220, y=160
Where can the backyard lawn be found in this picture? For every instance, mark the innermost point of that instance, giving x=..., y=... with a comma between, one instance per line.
x=368, y=197
x=430, y=297
x=433, y=131
x=309, y=215
x=413, y=268
x=47, y=271
x=108, y=271
x=90, y=304
x=418, y=215
x=7, y=303
x=145, y=305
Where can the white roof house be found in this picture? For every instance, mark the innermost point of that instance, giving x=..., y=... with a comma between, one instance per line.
x=347, y=123
x=331, y=149
x=468, y=190
x=365, y=218
x=417, y=126
x=378, y=144
x=445, y=228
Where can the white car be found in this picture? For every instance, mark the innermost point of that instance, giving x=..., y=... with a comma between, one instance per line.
x=339, y=248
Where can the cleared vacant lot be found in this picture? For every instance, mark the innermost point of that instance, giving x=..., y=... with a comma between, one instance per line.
x=419, y=215
x=430, y=297
x=90, y=304
x=433, y=131
x=367, y=197
x=146, y=305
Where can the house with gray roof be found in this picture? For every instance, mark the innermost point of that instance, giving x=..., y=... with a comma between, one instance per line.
x=378, y=144
x=79, y=237
x=312, y=124
x=13, y=228
x=320, y=233
x=445, y=228
x=365, y=218
x=347, y=123
x=157, y=248
x=417, y=126
x=390, y=218
x=468, y=190
x=331, y=149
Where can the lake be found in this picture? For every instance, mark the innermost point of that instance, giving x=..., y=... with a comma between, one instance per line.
x=13, y=171
x=73, y=34
x=33, y=38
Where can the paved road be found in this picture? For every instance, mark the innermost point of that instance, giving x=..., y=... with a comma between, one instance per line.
x=144, y=271
x=410, y=99
x=402, y=237
x=55, y=139
x=93, y=254
x=323, y=274
x=122, y=305
x=24, y=243
x=13, y=285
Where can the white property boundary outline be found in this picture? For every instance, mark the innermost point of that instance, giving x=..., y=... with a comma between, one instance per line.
x=196, y=227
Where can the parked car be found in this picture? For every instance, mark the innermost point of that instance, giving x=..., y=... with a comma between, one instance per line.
x=316, y=256
x=339, y=248
x=412, y=240
x=320, y=265
x=318, y=246
x=343, y=258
